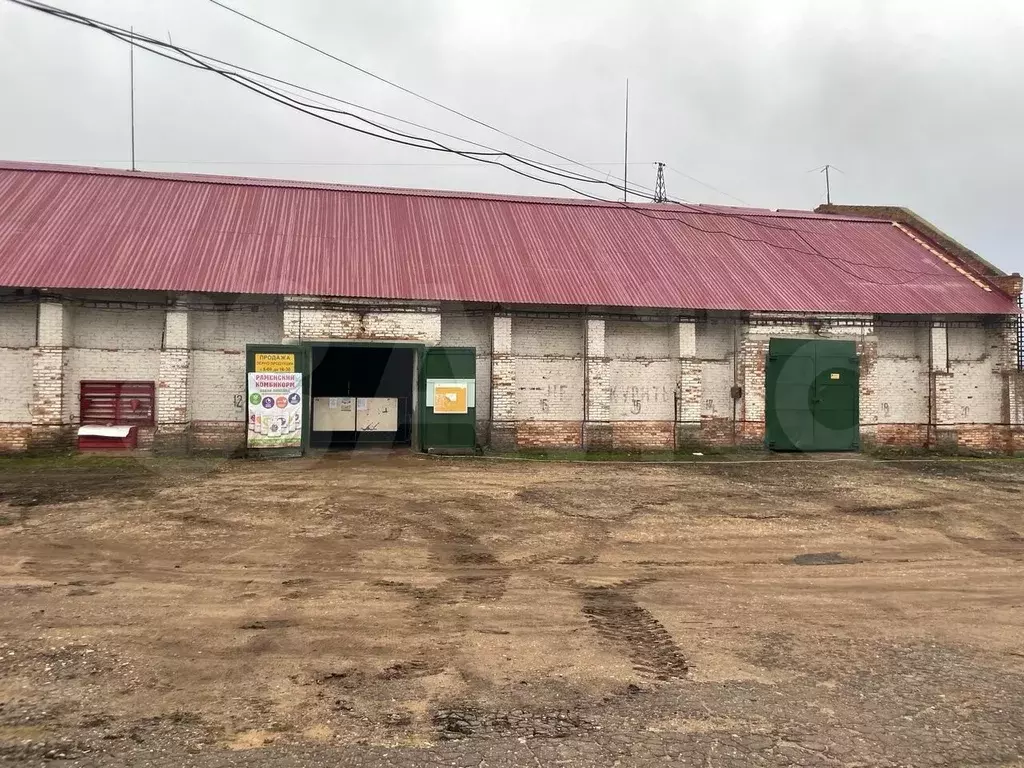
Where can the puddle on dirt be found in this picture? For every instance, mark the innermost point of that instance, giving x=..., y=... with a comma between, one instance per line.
x=825, y=558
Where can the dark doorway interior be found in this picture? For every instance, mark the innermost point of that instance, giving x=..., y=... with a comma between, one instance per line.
x=375, y=382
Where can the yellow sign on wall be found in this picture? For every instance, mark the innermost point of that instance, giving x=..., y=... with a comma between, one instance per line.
x=450, y=399
x=275, y=363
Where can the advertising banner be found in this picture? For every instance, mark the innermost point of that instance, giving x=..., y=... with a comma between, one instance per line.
x=275, y=410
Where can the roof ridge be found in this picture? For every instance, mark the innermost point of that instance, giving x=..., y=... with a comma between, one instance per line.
x=258, y=181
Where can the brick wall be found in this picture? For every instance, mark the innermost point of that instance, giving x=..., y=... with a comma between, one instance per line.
x=717, y=369
x=548, y=357
x=973, y=390
x=534, y=381
x=48, y=370
x=642, y=372
x=303, y=321
x=899, y=391
x=218, y=359
x=642, y=435
x=17, y=337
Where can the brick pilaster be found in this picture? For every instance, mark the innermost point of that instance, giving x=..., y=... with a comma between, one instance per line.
x=50, y=422
x=688, y=383
x=173, y=390
x=597, y=427
x=503, y=385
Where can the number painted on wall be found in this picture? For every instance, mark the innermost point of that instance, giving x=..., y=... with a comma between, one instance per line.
x=239, y=401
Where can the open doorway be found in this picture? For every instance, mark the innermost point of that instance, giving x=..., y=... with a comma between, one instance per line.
x=362, y=396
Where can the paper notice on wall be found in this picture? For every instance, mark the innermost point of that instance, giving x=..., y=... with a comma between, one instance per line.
x=332, y=402
x=362, y=404
x=275, y=410
x=283, y=362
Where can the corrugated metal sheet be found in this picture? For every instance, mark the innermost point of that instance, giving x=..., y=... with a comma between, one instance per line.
x=64, y=228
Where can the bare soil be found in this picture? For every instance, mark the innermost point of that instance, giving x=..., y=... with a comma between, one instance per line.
x=408, y=610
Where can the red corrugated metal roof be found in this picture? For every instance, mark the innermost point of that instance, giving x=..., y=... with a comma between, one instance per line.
x=65, y=227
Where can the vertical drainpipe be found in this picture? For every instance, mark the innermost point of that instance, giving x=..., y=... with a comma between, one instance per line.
x=586, y=378
x=735, y=372
x=1019, y=320
x=490, y=429
x=931, y=386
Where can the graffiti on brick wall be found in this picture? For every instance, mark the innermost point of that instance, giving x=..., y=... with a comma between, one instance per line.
x=551, y=395
x=637, y=397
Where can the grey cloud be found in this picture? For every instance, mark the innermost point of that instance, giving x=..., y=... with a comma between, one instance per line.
x=917, y=102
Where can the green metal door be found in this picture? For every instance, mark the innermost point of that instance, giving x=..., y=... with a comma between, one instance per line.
x=448, y=399
x=277, y=379
x=812, y=395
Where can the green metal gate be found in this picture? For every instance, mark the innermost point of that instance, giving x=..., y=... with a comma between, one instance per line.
x=277, y=379
x=812, y=400
x=448, y=399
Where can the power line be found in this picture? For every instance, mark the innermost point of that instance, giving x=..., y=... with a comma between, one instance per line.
x=705, y=184
x=318, y=163
x=195, y=61
x=400, y=87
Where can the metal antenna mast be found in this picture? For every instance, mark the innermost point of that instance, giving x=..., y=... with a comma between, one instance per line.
x=131, y=87
x=660, y=195
x=625, y=150
x=828, y=184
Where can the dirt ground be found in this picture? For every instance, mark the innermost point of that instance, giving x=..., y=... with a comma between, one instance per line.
x=408, y=610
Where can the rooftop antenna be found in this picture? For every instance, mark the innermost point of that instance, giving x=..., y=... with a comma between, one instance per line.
x=827, y=169
x=131, y=87
x=660, y=195
x=625, y=151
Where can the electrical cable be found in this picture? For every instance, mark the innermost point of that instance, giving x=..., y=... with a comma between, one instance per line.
x=196, y=60
x=402, y=88
x=705, y=184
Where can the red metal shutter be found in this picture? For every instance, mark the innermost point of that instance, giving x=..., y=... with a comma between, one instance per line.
x=118, y=402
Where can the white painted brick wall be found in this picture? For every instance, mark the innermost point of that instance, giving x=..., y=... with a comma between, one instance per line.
x=17, y=326
x=472, y=331
x=15, y=385
x=598, y=387
x=900, y=378
x=217, y=377
x=549, y=369
x=218, y=358
x=627, y=340
x=307, y=323
x=973, y=390
x=643, y=390
x=716, y=383
x=17, y=337
x=118, y=329
x=503, y=371
x=106, y=365
x=532, y=337
x=714, y=340
x=233, y=329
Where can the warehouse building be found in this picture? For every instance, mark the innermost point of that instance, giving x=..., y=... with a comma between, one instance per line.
x=215, y=312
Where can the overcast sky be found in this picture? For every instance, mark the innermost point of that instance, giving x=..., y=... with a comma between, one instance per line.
x=917, y=101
